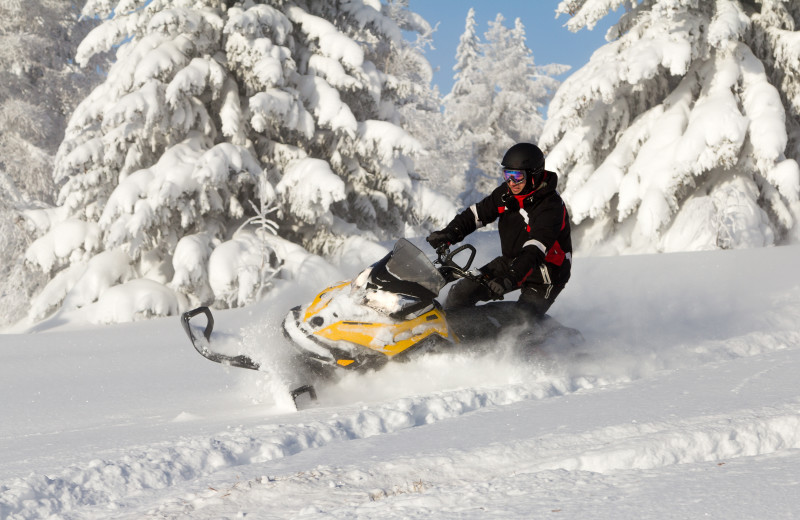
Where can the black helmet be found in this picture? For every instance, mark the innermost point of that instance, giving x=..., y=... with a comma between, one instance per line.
x=524, y=156
x=528, y=157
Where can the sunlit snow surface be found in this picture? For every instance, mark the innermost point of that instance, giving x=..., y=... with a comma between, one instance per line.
x=684, y=403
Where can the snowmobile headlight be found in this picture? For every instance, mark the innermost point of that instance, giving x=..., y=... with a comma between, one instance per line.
x=389, y=303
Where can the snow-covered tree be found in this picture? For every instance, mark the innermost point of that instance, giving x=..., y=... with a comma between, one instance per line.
x=441, y=163
x=215, y=108
x=681, y=133
x=39, y=86
x=443, y=160
x=467, y=107
x=467, y=104
x=520, y=94
x=498, y=97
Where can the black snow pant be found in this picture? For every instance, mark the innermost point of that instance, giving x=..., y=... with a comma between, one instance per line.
x=535, y=299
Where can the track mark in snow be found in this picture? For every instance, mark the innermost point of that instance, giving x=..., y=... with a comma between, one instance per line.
x=462, y=479
x=747, y=345
x=706, y=439
x=758, y=375
x=159, y=467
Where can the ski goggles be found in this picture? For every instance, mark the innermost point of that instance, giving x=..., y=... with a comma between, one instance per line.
x=514, y=176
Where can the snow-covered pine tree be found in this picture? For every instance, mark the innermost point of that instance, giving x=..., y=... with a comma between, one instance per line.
x=469, y=97
x=681, y=133
x=467, y=107
x=210, y=106
x=498, y=97
x=38, y=86
x=521, y=91
x=441, y=163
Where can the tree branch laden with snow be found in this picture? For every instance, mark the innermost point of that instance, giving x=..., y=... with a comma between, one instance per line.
x=681, y=114
x=212, y=105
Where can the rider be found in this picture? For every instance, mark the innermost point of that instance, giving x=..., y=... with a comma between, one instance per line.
x=534, y=236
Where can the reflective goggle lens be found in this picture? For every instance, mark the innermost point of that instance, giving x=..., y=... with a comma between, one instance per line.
x=514, y=176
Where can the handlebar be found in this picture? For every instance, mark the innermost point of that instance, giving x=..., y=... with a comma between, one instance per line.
x=446, y=256
x=452, y=271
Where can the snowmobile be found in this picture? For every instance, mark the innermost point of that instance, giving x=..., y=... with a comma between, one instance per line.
x=389, y=313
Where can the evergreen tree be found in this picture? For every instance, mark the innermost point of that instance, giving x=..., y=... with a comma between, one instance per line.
x=521, y=90
x=682, y=132
x=39, y=86
x=213, y=109
x=467, y=108
x=468, y=102
x=441, y=161
x=498, y=97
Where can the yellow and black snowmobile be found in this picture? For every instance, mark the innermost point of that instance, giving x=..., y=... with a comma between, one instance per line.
x=389, y=312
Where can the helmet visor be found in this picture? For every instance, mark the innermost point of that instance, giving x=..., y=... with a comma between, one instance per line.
x=513, y=176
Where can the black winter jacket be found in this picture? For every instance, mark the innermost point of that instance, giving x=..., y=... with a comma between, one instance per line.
x=534, y=230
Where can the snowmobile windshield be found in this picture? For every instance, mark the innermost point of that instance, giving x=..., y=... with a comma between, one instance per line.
x=408, y=269
x=410, y=264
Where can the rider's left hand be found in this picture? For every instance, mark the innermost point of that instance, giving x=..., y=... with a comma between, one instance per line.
x=440, y=238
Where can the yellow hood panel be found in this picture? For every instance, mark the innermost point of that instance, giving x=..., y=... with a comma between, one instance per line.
x=322, y=300
x=389, y=338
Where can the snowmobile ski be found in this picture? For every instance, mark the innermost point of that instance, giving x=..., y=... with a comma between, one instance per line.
x=202, y=343
x=305, y=389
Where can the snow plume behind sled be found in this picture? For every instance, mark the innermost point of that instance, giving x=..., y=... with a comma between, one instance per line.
x=491, y=364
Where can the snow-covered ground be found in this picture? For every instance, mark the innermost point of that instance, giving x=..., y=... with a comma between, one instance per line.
x=684, y=403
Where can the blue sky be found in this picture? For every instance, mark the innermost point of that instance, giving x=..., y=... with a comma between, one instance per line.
x=547, y=38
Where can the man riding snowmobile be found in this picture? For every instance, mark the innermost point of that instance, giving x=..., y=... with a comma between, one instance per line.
x=390, y=312
x=534, y=236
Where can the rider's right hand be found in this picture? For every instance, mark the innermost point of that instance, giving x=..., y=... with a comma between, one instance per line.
x=498, y=287
x=441, y=238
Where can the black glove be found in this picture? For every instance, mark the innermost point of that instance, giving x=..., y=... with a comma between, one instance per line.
x=438, y=239
x=500, y=286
